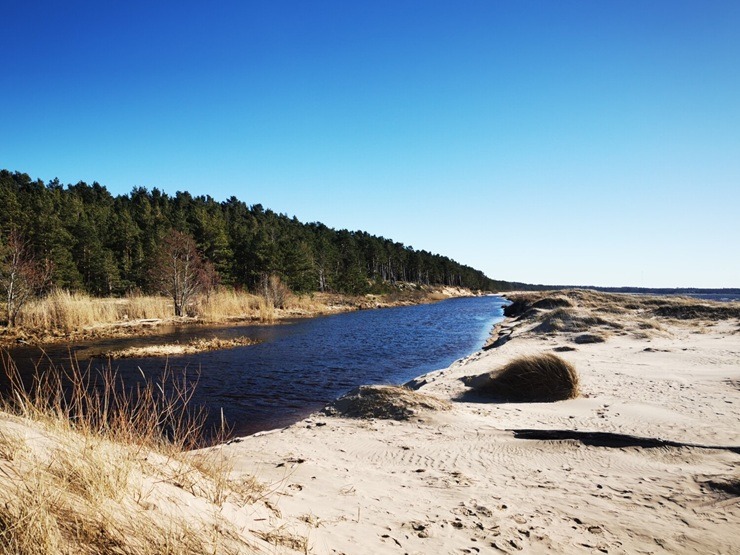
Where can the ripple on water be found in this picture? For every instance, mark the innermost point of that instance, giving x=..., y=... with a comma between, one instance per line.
x=304, y=365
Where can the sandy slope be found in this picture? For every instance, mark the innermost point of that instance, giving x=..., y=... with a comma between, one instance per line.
x=461, y=481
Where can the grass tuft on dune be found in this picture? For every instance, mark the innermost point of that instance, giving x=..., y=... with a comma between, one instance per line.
x=540, y=378
x=384, y=401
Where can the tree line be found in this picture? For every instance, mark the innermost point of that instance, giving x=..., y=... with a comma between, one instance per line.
x=85, y=239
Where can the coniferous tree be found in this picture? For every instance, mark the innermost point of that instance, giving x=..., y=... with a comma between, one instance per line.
x=104, y=245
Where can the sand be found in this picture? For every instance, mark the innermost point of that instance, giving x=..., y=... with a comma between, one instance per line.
x=647, y=460
x=177, y=349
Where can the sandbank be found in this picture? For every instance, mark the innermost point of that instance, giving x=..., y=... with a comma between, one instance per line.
x=177, y=349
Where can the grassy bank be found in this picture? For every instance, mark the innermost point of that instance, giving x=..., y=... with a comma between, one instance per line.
x=101, y=470
x=64, y=316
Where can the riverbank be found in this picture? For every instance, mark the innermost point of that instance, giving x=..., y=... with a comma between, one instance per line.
x=645, y=460
x=63, y=317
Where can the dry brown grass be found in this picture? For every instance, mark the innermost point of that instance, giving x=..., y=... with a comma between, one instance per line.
x=227, y=304
x=642, y=316
x=385, y=401
x=540, y=378
x=67, y=312
x=308, y=304
x=87, y=469
x=573, y=320
x=175, y=349
x=143, y=307
x=586, y=338
x=283, y=538
x=62, y=313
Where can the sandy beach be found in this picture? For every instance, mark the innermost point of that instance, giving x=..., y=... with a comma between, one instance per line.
x=646, y=460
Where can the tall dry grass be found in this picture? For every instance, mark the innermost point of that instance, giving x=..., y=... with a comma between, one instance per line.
x=225, y=304
x=88, y=466
x=66, y=311
x=228, y=304
x=309, y=304
x=136, y=306
x=62, y=312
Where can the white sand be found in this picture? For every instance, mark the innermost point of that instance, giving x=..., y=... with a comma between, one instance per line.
x=460, y=482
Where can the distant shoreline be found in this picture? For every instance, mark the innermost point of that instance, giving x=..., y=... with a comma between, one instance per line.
x=733, y=292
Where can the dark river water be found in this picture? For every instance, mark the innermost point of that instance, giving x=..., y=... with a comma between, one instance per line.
x=301, y=366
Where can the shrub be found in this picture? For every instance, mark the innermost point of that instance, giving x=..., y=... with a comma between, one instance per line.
x=540, y=378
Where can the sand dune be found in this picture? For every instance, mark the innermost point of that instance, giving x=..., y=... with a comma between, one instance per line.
x=645, y=461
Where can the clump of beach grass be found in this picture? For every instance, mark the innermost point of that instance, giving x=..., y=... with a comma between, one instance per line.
x=539, y=378
x=572, y=320
x=88, y=466
x=389, y=402
x=586, y=338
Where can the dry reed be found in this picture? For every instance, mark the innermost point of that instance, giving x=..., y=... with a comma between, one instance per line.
x=67, y=312
x=225, y=304
x=88, y=466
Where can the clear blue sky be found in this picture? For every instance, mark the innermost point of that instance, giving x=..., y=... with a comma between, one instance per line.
x=588, y=142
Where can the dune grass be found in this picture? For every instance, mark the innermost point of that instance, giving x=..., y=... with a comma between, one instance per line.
x=573, y=320
x=87, y=466
x=583, y=311
x=385, y=401
x=540, y=378
x=586, y=338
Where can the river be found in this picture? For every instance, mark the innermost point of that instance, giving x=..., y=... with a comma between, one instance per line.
x=301, y=366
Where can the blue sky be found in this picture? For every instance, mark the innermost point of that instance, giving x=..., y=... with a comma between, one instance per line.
x=546, y=142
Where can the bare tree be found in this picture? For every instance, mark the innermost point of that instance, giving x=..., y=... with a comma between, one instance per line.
x=209, y=278
x=179, y=271
x=22, y=277
x=273, y=290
